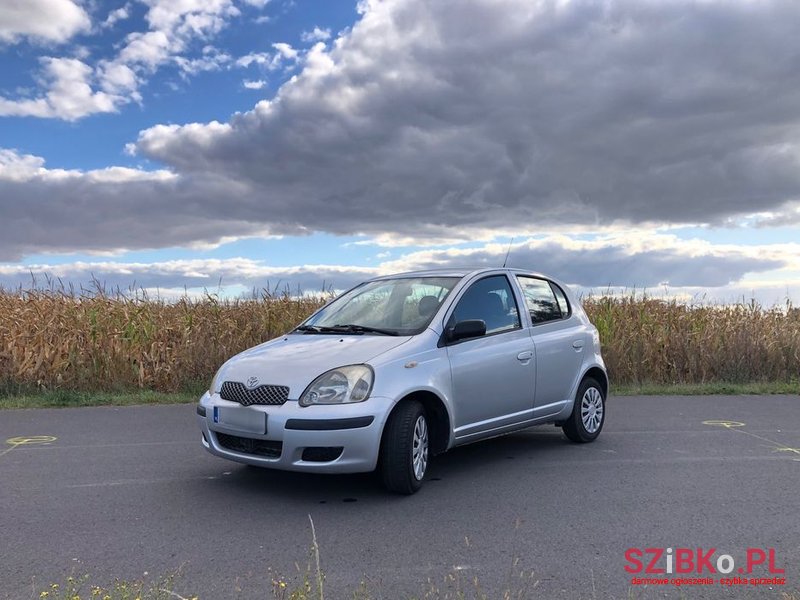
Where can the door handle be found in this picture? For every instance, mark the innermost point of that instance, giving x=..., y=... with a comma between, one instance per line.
x=577, y=344
x=523, y=356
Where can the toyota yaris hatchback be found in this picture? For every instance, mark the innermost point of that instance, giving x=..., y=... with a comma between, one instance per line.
x=407, y=366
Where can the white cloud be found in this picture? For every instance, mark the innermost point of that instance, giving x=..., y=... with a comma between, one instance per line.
x=237, y=273
x=117, y=78
x=284, y=58
x=196, y=17
x=174, y=28
x=211, y=60
x=635, y=259
x=21, y=168
x=78, y=90
x=200, y=134
x=257, y=58
x=146, y=49
x=26, y=19
x=316, y=35
x=80, y=52
x=254, y=85
x=70, y=94
x=285, y=50
x=688, y=268
x=119, y=14
x=18, y=167
x=271, y=61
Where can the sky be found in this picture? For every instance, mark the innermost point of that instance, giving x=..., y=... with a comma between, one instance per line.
x=237, y=145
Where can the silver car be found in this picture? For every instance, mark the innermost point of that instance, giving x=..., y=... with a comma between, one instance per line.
x=407, y=366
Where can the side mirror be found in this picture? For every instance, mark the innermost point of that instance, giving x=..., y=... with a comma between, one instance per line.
x=466, y=329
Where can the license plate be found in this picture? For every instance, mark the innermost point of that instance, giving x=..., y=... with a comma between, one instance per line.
x=242, y=419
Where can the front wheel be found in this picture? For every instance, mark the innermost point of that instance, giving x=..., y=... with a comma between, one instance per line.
x=405, y=448
x=588, y=414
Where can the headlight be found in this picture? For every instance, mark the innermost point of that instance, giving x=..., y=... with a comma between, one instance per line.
x=340, y=386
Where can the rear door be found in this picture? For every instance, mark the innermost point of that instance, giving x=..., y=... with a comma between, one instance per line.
x=559, y=339
x=493, y=375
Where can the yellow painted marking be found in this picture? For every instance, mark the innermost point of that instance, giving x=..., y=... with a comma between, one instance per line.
x=34, y=439
x=27, y=441
x=725, y=424
x=732, y=425
x=787, y=449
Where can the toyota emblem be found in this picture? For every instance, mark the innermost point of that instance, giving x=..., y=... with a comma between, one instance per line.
x=252, y=382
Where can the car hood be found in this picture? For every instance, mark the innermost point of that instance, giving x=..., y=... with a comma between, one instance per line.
x=296, y=360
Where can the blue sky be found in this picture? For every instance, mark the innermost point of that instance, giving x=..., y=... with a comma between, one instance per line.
x=172, y=95
x=179, y=144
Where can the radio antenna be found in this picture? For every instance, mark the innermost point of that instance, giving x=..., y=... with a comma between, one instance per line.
x=505, y=260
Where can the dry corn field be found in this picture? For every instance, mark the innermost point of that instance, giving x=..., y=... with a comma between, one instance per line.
x=51, y=340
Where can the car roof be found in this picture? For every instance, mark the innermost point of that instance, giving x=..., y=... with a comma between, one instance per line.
x=458, y=273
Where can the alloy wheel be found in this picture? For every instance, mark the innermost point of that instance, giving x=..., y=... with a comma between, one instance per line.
x=592, y=409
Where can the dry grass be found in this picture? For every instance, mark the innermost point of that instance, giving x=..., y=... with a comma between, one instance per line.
x=54, y=340
x=648, y=340
x=57, y=340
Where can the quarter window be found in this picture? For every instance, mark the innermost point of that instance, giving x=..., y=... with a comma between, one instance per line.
x=563, y=305
x=491, y=301
x=542, y=301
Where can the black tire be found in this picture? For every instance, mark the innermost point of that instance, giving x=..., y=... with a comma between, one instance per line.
x=397, y=448
x=575, y=428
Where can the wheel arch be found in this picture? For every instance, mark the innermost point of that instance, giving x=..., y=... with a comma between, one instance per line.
x=600, y=376
x=437, y=414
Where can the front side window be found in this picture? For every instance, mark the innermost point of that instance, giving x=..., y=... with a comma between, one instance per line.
x=491, y=301
x=541, y=301
x=404, y=306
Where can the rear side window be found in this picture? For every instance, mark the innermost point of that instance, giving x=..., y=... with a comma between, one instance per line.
x=561, y=297
x=545, y=302
x=490, y=300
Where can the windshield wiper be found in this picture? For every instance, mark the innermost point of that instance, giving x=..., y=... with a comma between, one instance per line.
x=349, y=328
x=325, y=329
x=309, y=328
x=363, y=329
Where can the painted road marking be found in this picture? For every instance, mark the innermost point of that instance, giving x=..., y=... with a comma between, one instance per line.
x=725, y=424
x=787, y=449
x=734, y=425
x=27, y=441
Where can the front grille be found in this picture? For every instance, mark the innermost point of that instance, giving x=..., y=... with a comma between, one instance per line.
x=265, y=448
x=263, y=394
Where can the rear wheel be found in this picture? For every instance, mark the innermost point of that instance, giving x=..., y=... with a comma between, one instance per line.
x=405, y=448
x=588, y=413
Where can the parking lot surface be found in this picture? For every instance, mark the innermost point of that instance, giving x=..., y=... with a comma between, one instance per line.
x=120, y=492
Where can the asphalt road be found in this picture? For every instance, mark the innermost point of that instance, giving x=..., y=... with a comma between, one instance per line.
x=125, y=491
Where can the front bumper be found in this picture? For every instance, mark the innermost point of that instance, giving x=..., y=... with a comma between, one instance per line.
x=322, y=439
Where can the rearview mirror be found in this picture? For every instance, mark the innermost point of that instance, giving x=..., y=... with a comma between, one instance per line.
x=467, y=329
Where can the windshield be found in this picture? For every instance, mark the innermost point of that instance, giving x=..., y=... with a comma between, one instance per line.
x=391, y=306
